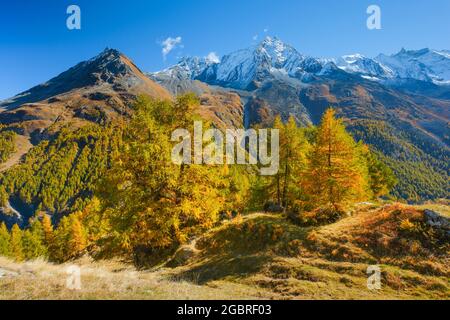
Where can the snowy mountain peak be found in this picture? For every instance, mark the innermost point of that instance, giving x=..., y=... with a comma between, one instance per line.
x=275, y=45
x=187, y=68
x=272, y=57
x=277, y=51
x=424, y=64
x=367, y=67
x=351, y=58
x=241, y=68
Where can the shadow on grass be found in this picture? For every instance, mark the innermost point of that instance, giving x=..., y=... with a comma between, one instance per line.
x=241, y=249
x=221, y=267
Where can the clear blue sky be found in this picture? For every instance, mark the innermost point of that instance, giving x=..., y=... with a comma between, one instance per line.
x=35, y=44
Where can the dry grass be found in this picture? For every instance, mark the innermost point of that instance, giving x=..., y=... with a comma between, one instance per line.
x=262, y=256
x=108, y=280
x=443, y=209
x=328, y=262
x=23, y=145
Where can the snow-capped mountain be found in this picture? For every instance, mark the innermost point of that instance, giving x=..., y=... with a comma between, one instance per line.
x=366, y=67
x=271, y=58
x=186, y=68
x=424, y=64
x=242, y=68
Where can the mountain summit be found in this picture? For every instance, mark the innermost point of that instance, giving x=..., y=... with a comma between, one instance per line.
x=93, y=90
x=244, y=69
x=108, y=71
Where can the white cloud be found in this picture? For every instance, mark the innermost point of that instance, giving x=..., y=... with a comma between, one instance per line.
x=213, y=57
x=266, y=30
x=255, y=37
x=169, y=44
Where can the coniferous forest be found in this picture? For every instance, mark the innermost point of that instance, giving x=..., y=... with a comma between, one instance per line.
x=116, y=189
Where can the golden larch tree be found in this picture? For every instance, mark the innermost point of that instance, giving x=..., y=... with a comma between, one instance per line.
x=77, y=242
x=337, y=174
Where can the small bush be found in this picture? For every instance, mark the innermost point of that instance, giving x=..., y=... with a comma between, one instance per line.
x=318, y=217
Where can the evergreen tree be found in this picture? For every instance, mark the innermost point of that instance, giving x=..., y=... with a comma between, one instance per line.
x=60, y=175
x=16, y=243
x=5, y=241
x=33, y=241
x=382, y=179
x=7, y=144
x=4, y=197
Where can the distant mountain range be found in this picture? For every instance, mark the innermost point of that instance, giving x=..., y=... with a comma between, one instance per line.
x=239, y=69
x=397, y=104
x=422, y=65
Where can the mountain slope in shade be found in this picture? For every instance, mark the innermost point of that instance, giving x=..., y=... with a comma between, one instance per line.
x=95, y=90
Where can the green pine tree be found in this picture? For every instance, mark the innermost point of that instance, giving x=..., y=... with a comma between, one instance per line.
x=5, y=241
x=4, y=197
x=16, y=243
x=33, y=241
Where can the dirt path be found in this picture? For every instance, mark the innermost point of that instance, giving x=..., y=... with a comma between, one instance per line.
x=23, y=145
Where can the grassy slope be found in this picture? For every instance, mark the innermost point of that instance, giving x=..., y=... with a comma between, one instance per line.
x=23, y=145
x=262, y=256
x=107, y=280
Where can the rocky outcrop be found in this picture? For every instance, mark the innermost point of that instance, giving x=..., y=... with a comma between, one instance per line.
x=437, y=221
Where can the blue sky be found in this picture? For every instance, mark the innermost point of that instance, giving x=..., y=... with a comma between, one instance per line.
x=35, y=44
